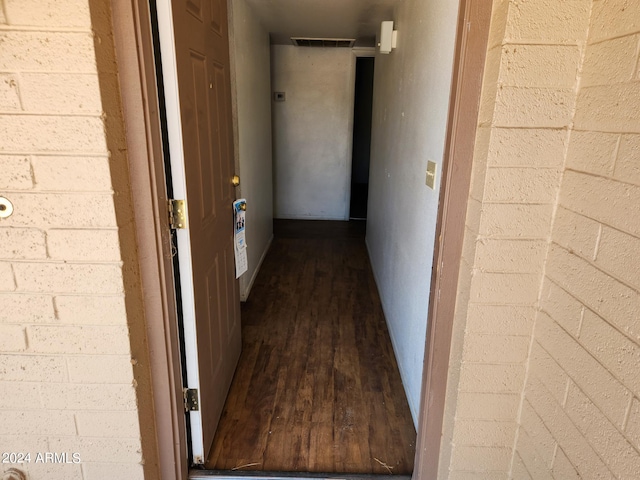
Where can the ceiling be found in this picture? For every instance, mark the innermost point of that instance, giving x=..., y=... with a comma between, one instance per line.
x=359, y=19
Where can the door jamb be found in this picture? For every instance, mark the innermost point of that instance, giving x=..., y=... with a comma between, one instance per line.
x=136, y=70
x=133, y=42
x=471, y=49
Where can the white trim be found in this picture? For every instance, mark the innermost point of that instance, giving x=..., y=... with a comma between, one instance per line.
x=364, y=51
x=404, y=375
x=309, y=217
x=349, y=163
x=174, y=128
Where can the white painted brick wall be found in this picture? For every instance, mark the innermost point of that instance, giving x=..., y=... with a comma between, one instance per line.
x=63, y=93
x=553, y=238
x=592, y=152
x=533, y=147
x=583, y=376
x=48, y=13
x=627, y=164
x=66, y=373
x=26, y=308
x=80, y=173
x=547, y=21
x=16, y=173
x=53, y=51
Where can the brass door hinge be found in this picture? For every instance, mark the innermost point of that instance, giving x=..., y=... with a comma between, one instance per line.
x=177, y=214
x=191, y=400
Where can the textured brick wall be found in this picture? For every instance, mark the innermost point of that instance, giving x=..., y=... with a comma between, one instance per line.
x=545, y=355
x=581, y=412
x=527, y=106
x=66, y=377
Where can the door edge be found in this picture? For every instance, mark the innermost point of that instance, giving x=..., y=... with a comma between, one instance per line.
x=133, y=42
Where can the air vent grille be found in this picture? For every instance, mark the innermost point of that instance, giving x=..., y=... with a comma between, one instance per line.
x=323, y=42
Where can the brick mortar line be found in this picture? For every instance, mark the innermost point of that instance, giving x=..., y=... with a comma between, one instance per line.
x=495, y=364
x=523, y=167
x=66, y=294
x=494, y=202
x=536, y=450
x=592, y=86
x=616, y=154
x=635, y=69
x=497, y=304
x=57, y=323
x=563, y=126
x=49, y=72
x=614, y=37
x=54, y=114
x=612, y=227
x=493, y=126
x=604, y=177
x=55, y=153
x=517, y=127
x=627, y=414
x=600, y=268
x=507, y=271
x=585, y=308
x=536, y=87
x=553, y=399
x=633, y=81
x=103, y=154
x=539, y=43
x=58, y=356
x=70, y=294
x=556, y=202
x=476, y=334
x=80, y=73
x=572, y=376
x=57, y=192
x=69, y=410
x=60, y=261
x=510, y=238
x=11, y=28
x=584, y=435
x=514, y=239
x=612, y=132
x=531, y=167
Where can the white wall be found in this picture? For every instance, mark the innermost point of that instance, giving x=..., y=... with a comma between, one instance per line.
x=252, y=124
x=312, y=131
x=411, y=99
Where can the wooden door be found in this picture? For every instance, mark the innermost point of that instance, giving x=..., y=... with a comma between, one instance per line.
x=202, y=63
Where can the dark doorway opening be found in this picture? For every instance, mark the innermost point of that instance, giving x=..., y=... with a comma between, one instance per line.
x=362, y=112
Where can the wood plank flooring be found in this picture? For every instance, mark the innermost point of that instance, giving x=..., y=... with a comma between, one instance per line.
x=317, y=388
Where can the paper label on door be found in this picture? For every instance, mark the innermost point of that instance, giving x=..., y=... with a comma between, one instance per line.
x=239, y=241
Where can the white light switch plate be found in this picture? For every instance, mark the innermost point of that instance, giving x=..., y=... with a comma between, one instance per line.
x=431, y=175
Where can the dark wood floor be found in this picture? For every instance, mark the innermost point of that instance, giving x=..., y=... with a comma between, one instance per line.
x=317, y=388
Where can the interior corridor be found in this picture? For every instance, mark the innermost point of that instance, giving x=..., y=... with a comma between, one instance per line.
x=317, y=388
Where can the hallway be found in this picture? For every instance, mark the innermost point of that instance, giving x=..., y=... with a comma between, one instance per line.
x=317, y=388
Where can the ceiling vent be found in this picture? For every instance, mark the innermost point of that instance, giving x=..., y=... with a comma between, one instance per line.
x=323, y=42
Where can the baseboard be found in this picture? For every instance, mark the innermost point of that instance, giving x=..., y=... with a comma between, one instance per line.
x=309, y=217
x=245, y=295
x=403, y=375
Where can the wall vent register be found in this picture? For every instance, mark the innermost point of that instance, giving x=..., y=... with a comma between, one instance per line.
x=323, y=42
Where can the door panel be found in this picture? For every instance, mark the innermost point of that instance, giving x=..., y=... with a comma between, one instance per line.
x=217, y=19
x=202, y=61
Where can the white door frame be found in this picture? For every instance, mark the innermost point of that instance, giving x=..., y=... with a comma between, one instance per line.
x=183, y=238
